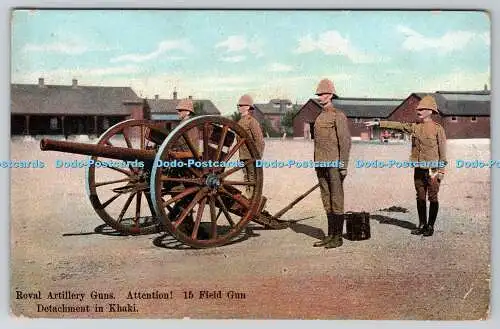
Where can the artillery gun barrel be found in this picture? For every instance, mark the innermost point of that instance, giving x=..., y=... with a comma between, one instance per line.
x=105, y=151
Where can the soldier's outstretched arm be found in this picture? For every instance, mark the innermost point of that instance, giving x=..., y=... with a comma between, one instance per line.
x=406, y=127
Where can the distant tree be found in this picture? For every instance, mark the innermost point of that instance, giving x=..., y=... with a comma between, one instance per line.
x=287, y=119
x=236, y=116
x=268, y=129
x=198, y=108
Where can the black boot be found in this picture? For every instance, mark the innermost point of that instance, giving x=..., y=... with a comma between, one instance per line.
x=336, y=241
x=422, y=217
x=331, y=230
x=433, y=211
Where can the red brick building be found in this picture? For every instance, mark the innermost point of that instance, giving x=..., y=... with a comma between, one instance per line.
x=164, y=109
x=40, y=109
x=358, y=110
x=273, y=111
x=463, y=114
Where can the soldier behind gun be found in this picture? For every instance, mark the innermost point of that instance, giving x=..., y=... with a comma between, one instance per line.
x=181, y=150
x=252, y=128
x=332, y=142
x=428, y=144
x=185, y=110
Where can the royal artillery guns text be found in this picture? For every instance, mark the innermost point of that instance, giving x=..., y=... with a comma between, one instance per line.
x=201, y=206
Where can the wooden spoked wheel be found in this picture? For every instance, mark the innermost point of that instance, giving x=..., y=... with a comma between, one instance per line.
x=201, y=202
x=120, y=194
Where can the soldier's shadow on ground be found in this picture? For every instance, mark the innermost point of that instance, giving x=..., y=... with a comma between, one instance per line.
x=308, y=230
x=167, y=241
x=103, y=229
x=394, y=221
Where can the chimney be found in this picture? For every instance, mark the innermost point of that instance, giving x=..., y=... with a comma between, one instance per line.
x=40, y=82
x=74, y=83
x=157, y=97
x=175, y=93
x=282, y=106
x=190, y=97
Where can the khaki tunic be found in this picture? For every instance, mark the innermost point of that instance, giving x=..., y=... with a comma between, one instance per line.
x=428, y=144
x=332, y=138
x=332, y=141
x=252, y=128
x=193, y=136
x=428, y=139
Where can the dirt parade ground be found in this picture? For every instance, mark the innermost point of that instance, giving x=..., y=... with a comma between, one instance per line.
x=66, y=264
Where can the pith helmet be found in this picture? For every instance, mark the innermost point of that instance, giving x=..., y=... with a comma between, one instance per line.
x=246, y=100
x=326, y=86
x=185, y=105
x=428, y=103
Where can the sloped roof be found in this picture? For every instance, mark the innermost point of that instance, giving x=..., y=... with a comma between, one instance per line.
x=168, y=105
x=68, y=100
x=366, y=107
x=274, y=106
x=462, y=103
x=363, y=107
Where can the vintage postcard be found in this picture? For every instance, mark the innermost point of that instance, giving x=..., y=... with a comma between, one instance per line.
x=250, y=164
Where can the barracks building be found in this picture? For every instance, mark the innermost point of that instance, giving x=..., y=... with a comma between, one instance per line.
x=463, y=114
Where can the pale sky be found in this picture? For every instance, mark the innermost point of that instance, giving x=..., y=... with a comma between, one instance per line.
x=220, y=55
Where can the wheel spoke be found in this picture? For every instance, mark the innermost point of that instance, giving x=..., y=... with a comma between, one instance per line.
x=190, y=207
x=205, y=141
x=233, y=182
x=196, y=181
x=112, y=182
x=235, y=198
x=196, y=172
x=143, y=137
x=235, y=169
x=150, y=203
x=127, y=139
x=113, y=198
x=125, y=207
x=234, y=149
x=221, y=143
x=213, y=226
x=138, y=209
x=181, y=195
x=199, y=215
x=224, y=210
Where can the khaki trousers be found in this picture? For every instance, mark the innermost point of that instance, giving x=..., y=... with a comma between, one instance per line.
x=425, y=186
x=249, y=175
x=331, y=186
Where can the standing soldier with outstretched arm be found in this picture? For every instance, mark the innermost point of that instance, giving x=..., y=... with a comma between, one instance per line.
x=252, y=128
x=428, y=145
x=332, y=142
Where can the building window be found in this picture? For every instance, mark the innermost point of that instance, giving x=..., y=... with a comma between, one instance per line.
x=473, y=119
x=453, y=119
x=53, y=124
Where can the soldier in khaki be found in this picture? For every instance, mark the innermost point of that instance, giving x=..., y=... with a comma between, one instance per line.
x=181, y=150
x=252, y=128
x=428, y=145
x=332, y=142
x=185, y=110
